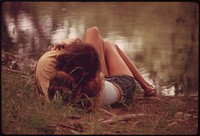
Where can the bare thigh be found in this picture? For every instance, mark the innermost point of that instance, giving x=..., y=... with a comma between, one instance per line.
x=115, y=64
x=93, y=37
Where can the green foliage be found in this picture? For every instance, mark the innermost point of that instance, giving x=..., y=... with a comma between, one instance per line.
x=57, y=99
x=38, y=123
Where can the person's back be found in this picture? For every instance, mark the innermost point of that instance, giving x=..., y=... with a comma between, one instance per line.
x=45, y=67
x=78, y=64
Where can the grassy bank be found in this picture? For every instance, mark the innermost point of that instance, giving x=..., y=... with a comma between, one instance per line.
x=24, y=113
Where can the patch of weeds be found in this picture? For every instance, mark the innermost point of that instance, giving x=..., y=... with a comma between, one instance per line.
x=178, y=129
x=175, y=105
x=138, y=89
x=39, y=123
x=145, y=126
x=57, y=100
x=162, y=124
x=94, y=128
x=59, y=105
x=10, y=117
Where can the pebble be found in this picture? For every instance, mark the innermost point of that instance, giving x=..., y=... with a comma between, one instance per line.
x=172, y=124
x=186, y=116
x=178, y=115
x=182, y=116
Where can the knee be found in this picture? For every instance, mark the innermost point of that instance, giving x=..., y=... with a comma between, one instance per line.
x=92, y=30
x=117, y=47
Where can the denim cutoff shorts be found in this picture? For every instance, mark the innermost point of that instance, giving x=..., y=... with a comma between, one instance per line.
x=126, y=84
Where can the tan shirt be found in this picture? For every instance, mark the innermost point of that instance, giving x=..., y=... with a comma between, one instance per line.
x=45, y=68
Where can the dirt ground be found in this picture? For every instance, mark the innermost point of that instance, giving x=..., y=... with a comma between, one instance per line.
x=156, y=115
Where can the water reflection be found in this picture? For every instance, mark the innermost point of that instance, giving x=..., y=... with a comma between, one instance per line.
x=161, y=38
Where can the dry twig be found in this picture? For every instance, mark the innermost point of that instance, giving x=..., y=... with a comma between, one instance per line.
x=65, y=125
x=125, y=117
x=107, y=112
x=151, y=98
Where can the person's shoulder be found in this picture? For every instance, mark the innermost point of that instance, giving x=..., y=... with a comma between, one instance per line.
x=49, y=54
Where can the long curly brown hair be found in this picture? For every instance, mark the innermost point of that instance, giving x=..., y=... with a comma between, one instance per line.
x=77, y=77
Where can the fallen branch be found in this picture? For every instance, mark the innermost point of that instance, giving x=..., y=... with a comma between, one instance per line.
x=65, y=125
x=107, y=112
x=134, y=124
x=74, y=132
x=151, y=98
x=118, y=118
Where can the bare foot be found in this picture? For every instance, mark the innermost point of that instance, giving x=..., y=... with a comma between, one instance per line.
x=150, y=92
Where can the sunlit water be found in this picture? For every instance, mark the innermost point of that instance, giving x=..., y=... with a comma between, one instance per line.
x=160, y=38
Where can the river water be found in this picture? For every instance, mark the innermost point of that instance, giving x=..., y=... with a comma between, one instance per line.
x=161, y=38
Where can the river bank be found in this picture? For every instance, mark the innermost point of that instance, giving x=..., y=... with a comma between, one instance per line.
x=23, y=113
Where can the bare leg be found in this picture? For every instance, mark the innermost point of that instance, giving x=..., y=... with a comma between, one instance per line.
x=115, y=63
x=113, y=60
x=119, y=63
x=93, y=37
x=146, y=86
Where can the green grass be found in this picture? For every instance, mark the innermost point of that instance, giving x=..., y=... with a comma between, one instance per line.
x=24, y=113
x=21, y=108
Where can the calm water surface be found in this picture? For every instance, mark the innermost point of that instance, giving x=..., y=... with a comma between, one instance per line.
x=160, y=38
